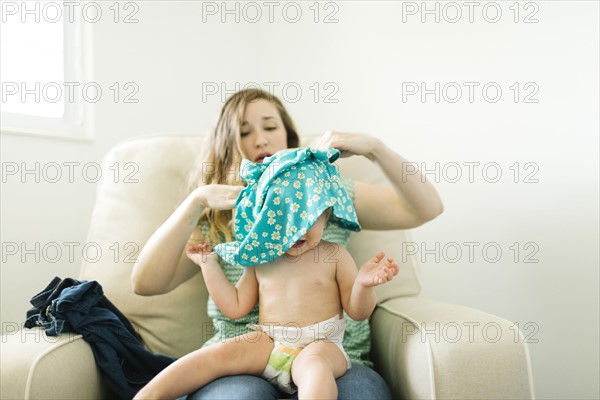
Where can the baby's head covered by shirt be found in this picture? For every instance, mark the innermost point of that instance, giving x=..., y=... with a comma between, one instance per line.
x=283, y=198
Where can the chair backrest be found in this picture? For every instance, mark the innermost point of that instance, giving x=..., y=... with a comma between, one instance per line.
x=144, y=180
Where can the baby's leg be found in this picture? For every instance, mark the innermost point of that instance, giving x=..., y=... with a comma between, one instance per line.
x=245, y=354
x=316, y=368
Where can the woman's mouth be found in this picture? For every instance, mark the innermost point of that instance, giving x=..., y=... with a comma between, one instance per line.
x=260, y=158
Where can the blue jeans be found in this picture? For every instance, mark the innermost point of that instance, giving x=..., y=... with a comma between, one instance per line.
x=72, y=306
x=359, y=382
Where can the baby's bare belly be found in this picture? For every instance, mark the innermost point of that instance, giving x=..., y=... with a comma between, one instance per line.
x=302, y=292
x=298, y=305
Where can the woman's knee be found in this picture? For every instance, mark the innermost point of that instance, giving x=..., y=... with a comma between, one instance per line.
x=361, y=382
x=236, y=387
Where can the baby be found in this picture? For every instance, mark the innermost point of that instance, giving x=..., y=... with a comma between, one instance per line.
x=301, y=282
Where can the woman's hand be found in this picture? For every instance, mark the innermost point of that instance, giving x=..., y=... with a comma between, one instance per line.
x=409, y=202
x=163, y=264
x=218, y=197
x=350, y=144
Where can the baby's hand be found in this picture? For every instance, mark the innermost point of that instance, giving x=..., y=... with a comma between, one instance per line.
x=202, y=255
x=374, y=273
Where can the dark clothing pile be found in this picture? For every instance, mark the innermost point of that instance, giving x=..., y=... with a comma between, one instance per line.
x=69, y=305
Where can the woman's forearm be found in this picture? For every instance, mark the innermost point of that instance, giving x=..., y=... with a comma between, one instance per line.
x=410, y=200
x=419, y=195
x=162, y=264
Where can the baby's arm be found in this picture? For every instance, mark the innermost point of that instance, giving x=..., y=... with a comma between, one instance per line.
x=233, y=301
x=356, y=288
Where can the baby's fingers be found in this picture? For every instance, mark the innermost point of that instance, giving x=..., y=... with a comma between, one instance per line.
x=198, y=248
x=387, y=273
x=392, y=265
x=383, y=275
x=378, y=257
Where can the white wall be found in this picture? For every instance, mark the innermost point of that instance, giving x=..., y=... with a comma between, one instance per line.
x=368, y=57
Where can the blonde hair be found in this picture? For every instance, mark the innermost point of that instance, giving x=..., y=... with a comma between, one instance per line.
x=221, y=164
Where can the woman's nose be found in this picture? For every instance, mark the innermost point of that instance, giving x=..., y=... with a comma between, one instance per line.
x=260, y=139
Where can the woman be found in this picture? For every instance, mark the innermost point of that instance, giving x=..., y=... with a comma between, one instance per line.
x=254, y=124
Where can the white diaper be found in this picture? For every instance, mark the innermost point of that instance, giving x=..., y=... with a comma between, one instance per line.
x=290, y=340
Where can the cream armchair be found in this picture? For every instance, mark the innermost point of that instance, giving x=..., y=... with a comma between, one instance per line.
x=423, y=349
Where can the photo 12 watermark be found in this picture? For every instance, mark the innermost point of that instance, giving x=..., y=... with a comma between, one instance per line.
x=472, y=171
x=289, y=92
x=252, y=12
x=471, y=331
x=265, y=250
x=67, y=172
x=68, y=92
x=54, y=252
x=11, y=330
x=452, y=12
x=470, y=92
x=488, y=252
x=53, y=12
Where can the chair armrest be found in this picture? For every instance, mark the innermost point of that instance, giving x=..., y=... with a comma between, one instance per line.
x=37, y=366
x=431, y=350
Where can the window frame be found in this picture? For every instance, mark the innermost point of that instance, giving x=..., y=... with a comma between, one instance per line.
x=75, y=124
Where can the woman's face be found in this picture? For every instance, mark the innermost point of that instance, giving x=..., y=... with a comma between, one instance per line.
x=262, y=132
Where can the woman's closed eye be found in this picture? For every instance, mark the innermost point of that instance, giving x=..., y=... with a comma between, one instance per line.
x=270, y=129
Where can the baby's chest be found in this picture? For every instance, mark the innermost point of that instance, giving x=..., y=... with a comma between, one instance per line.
x=296, y=276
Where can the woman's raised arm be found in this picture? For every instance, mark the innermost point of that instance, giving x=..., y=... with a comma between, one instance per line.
x=162, y=265
x=409, y=202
